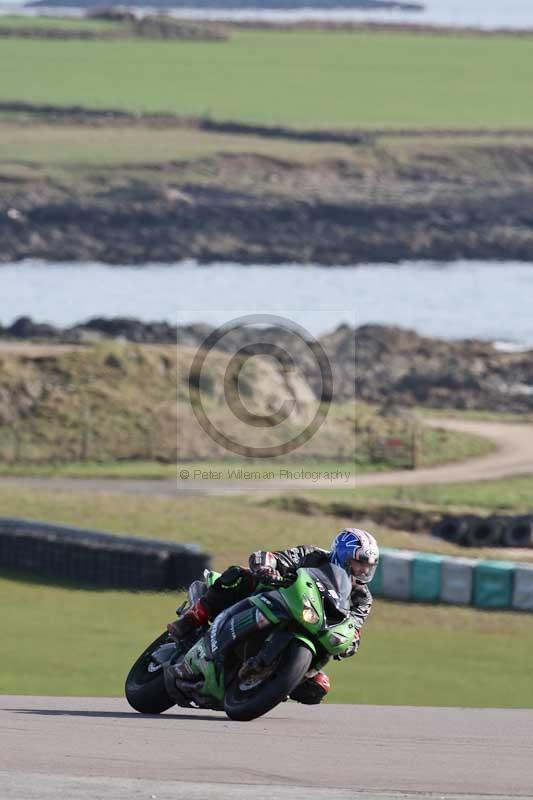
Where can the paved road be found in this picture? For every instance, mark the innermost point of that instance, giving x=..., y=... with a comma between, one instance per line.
x=96, y=747
x=513, y=456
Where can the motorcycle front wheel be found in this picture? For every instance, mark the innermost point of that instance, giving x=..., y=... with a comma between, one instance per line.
x=244, y=703
x=145, y=684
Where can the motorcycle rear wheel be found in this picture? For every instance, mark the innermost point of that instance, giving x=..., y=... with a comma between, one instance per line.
x=145, y=691
x=290, y=670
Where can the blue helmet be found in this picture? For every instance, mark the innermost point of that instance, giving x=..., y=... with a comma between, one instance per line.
x=353, y=544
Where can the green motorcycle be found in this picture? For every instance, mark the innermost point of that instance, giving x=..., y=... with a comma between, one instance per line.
x=254, y=654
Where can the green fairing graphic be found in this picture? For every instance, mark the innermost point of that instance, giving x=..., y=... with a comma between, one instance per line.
x=300, y=596
x=253, y=656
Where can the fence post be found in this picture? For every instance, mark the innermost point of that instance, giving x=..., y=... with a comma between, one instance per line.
x=85, y=434
x=416, y=446
x=148, y=431
x=17, y=441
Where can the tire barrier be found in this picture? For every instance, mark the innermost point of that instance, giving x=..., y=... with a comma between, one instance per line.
x=452, y=529
x=471, y=530
x=98, y=559
x=430, y=578
x=518, y=532
x=484, y=532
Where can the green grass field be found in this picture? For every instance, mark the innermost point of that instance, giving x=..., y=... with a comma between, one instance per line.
x=63, y=640
x=510, y=494
x=228, y=527
x=307, y=78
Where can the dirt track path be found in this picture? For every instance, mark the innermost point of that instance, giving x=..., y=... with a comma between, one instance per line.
x=513, y=456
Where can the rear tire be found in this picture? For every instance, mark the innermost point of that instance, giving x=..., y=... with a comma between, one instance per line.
x=290, y=671
x=145, y=691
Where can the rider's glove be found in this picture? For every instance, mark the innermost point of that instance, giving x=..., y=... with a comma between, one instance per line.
x=269, y=575
x=352, y=650
x=264, y=564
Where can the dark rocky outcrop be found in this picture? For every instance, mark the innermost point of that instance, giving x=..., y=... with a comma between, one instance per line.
x=250, y=208
x=382, y=5
x=415, y=370
x=366, y=196
x=386, y=365
x=222, y=225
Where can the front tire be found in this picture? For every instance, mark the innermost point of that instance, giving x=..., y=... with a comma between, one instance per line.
x=145, y=691
x=249, y=704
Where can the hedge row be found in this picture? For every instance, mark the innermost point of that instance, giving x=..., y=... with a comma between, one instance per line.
x=97, y=559
x=470, y=530
x=429, y=578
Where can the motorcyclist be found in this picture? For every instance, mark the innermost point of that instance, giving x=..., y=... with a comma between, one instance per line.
x=352, y=549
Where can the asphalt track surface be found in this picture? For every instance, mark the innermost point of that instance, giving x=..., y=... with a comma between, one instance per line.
x=83, y=748
x=513, y=455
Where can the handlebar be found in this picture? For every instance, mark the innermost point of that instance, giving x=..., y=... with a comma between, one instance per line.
x=275, y=582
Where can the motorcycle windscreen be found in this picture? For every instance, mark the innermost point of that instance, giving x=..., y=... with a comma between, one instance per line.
x=335, y=587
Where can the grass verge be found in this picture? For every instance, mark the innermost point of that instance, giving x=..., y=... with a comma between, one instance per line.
x=513, y=494
x=115, y=403
x=198, y=470
x=66, y=641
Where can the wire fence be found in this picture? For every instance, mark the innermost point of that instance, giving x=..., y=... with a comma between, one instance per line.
x=20, y=445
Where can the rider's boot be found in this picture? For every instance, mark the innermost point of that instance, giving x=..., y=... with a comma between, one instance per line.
x=313, y=689
x=196, y=616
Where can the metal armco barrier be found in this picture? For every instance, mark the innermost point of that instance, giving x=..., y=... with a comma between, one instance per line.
x=97, y=559
x=427, y=577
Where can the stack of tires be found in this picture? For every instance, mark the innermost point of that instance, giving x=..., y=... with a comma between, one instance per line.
x=471, y=530
x=95, y=558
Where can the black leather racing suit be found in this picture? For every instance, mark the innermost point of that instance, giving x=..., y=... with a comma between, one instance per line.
x=237, y=583
x=306, y=555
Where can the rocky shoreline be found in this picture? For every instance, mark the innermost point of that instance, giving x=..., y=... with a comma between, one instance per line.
x=156, y=217
x=367, y=5
x=376, y=364
x=267, y=195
